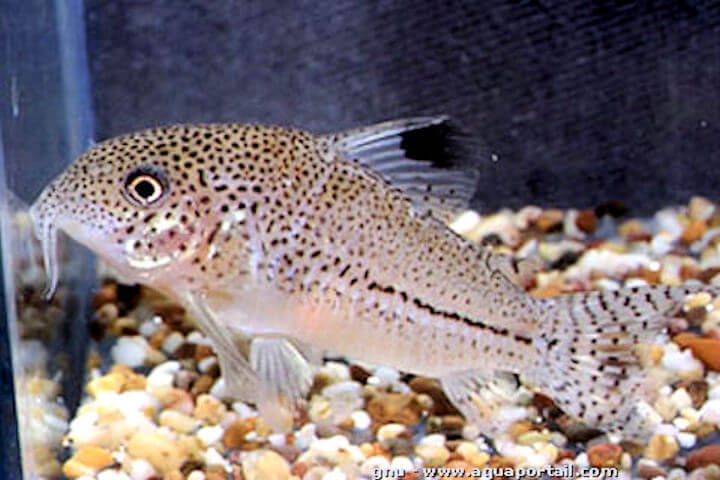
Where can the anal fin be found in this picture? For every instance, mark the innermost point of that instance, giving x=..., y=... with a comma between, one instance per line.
x=279, y=364
x=480, y=397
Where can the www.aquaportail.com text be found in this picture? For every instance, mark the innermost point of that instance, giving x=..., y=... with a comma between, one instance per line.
x=549, y=471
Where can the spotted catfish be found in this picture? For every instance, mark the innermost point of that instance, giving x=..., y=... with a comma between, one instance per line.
x=340, y=243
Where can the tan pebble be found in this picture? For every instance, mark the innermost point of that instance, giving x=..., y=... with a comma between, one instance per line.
x=156, y=339
x=547, y=291
x=457, y=466
x=702, y=457
x=519, y=428
x=216, y=472
x=177, y=399
x=107, y=314
x=605, y=455
x=164, y=454
x=694, y=231
x=696, y=300
x=299, y=469
x=707, y=350
x=700, y=208
x=202, y=385
x=452, y=422
x=586, y=221
x=133, y=381
x=550, y=219
x=174, y=475
x=432, y=455
x=633, y=230
x=661, y=447
x=88, y=460
x=178, y=421
x=265, y=465
x=209, y=409
x=112, y=382
x=704, y=429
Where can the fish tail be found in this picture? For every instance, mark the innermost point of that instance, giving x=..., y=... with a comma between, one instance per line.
x=588, y=348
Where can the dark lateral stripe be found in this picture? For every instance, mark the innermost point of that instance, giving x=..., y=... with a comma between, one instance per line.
x=504, y=332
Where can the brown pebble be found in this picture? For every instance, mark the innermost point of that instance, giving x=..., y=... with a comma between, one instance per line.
x=235, y=433
x=432, y=388
x=458, y=465
x=156, y=339
x=359, y=374
x=215, y=472
x=106, y=294
x=586, y=221
x=575, y=430
x=202, y=385
x=452, y=423
x=605, y=455
x=394, y=408
x=702, y=457
x=550, y=290
x=202, y=351
x=648, y=471
x=185, y=350
x=707, y=350
x=299, y=469
x=697, y=389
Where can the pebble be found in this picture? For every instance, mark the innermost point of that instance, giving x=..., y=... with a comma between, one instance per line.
x=163, y=375
x=710, y=412
x=432, y=455
x=604, y=455
x=172, y=342
x=682, y=363
x=178, y=421
x=707, y=350
x=661, y=447
x=87, y=460
x=702, y=457
x=163, y=453
x=141, y=469
x=361, y=420
x=130, y=351
x=265, y=465
x=209, y=409
x=649, y=469
x=210, y=435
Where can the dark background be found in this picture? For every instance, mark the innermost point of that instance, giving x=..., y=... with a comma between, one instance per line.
x=582, y=102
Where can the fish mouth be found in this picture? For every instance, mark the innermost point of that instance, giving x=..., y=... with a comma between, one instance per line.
x=46, y=231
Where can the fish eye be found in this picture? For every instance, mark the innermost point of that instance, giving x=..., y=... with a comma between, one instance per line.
x=145, y=186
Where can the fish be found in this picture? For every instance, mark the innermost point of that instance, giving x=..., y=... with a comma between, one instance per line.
x=307, y=243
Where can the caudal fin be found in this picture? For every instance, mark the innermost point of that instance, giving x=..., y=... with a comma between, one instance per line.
x=590, y=365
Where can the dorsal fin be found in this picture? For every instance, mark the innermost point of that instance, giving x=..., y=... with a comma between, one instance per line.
x=414, y=155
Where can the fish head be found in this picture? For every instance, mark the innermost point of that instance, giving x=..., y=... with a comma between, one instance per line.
x=134, y=200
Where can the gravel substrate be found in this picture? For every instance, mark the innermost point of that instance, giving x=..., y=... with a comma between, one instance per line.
x=156, y=407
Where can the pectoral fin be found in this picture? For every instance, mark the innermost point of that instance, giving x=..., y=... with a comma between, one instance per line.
x=240, y=379
x=481, y=396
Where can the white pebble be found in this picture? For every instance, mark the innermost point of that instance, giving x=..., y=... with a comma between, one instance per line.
x=148, y=328
x=338, y=372
x=373, y=465
x=130, y=351
x=212, y=458
x=206, y=363
x=209, y=435
x=465, y=222
x=218, y=389
x=681, y=399
x=582, y=460
x=306, y=436
x=714, y=393
x=680, y=362
x=244, y=410
x=112, y=474
x=335, y=474
x=172, y=342
x=277, y=440
x=361, y=420
x=435, y=439
x=196, y=475
x=141, y=470
x=402, y=463
x=710, y=412
x=686, y=440
x=666, y=429
x=163, y=375
x=384, y=377
x=197, y=338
